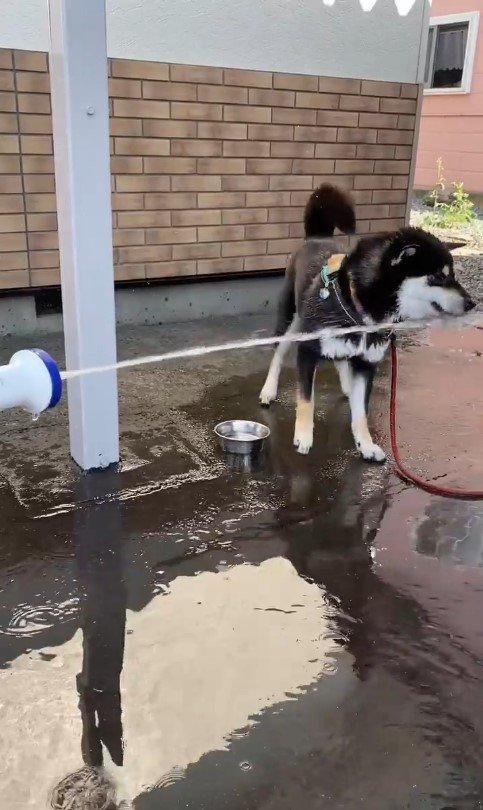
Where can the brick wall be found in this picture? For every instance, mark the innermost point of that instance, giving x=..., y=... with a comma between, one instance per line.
x=211, y=167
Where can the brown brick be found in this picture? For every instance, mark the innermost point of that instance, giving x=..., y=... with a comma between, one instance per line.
x=296, y=230
x=163, y=236
x=170, y=269
x=403, y=152
x=221, y=165
x=240, y=216
x=294, y=116
x=372, y=181
x=45, y=278
x=244, y=248
x=196, y=182
x=39, y=183
x=333, y=85
x=313, y=166
x=267, y=198
x=170, y=91
x=35, y=124
x=225, y=95
x=258, y=263
x=9, y=164
x=9, y=144
x=269, y=231
x=328, y=134
x=400, y=182
x=244, y=182
x=6, y=80
x=226, y=233
x=270, y=132
x=169, y=129
x=141, y=146
x=33, y=82
x=40, y=203
x=127, y=236
x=197, y=251
x=129, y=272
x=126, y=165
x=258, y=149
x=224, y=199
x=283, y=245
x=397, y=210
x=359, y=103
x=363, y=197
x=10, y=242
x=377, y=120
x=169, y=165
x=345, y=181
x=196, y=73
x=128, y=69
x=380, y=225
x=354, y=166
x=142, y=182
x=41, y=222
x=14, y=279
x=286, y=214
x=125, y=88
x=193, y=148
x=170, y=201
x=287, y=81
x=8, y=123
x=43, y=240
x=387, y=196
x=272, y=166
x=372, y=211
x=196, y=218
x=197, y=112
x=138, y=108
x=389, y=89
x=247, y=114
x=375, y=150
x=130, y=127
x=44, y=258
x=12, y=223
x=395, y=136
x=229, y=131
x=409, y=90
x=247, y=78
x=7, y=102
x=30, y=103
x=335, y=150
x=406, y=122
x=336, y=118
x=398, y=105
x=13, y=261
x=208, y=267
x=291, y=182
x=30, y=60
x=6, y=61
x=36, y=144
x=290, y=149
x=272, y=98
x=319, y=101
x=11, y=184
x=11, y=203
x=392, y=166
x=145, y=253
x=144, y=219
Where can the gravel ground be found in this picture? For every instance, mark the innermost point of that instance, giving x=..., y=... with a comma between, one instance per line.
x=468, y=259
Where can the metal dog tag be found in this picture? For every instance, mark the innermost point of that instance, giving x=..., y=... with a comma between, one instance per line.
x=324, y=293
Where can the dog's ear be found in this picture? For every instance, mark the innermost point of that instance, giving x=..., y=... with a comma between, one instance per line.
x=405, y=253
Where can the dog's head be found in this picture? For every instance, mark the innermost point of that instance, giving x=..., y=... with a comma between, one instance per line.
x=422, y=272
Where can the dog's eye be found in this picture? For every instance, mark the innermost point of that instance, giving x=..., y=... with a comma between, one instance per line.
x=438, y=277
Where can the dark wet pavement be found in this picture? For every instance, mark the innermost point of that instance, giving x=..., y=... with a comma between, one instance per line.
x=305, y=633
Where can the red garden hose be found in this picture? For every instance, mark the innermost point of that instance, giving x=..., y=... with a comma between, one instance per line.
x=403, y=471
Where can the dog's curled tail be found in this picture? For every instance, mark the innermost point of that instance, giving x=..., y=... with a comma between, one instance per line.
x=329, y=208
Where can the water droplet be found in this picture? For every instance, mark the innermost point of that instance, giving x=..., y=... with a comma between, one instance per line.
x=246, y=766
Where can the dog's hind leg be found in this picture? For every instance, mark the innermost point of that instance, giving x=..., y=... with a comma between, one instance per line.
x=362, y=374
x=307, y=359
x=269, y=391
x=345, y=376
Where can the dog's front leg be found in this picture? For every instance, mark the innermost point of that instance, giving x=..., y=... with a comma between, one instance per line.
x=362, y=376
x=307, y=358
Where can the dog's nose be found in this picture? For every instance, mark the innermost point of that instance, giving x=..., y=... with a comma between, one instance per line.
x=469, y=305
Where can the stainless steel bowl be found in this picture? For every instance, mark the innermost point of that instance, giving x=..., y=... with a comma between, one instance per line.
x=241, y=436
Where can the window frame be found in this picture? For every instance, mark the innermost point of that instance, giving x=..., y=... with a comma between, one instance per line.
x=473, y=19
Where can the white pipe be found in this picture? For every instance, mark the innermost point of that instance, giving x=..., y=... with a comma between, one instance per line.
x=30, y=381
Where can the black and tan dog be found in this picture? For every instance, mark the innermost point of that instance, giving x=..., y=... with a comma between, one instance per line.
x=406, y=275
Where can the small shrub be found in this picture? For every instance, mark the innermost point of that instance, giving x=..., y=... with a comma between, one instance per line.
x=438, y=193
x=456, y=210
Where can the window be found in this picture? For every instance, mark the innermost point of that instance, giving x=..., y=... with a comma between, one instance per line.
x=451, y=52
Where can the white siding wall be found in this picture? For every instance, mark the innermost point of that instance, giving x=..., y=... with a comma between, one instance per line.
x=325, y=37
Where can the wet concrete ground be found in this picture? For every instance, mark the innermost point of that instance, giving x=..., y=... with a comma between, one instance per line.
x=305, y=633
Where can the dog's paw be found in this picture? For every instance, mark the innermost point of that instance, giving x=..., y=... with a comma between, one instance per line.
x=303, y=442
x=268, y=394
x=371, y=452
